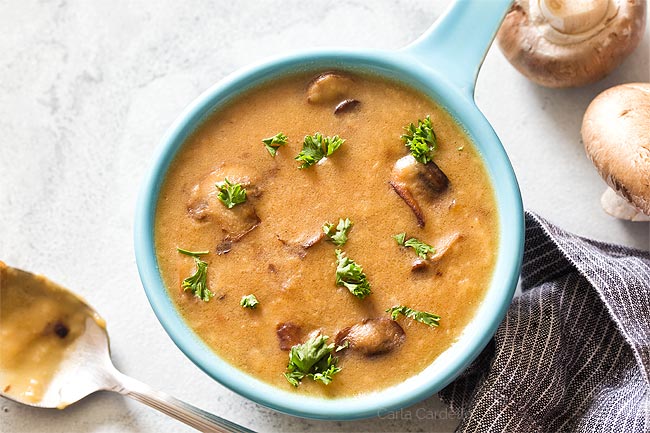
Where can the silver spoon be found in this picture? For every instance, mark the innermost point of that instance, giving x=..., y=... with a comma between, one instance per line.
x=80, y=365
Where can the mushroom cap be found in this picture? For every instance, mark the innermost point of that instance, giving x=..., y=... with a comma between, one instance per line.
x=616, y=134
x=552, y=58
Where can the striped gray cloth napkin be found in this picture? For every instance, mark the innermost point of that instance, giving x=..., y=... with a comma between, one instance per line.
x=573, y=353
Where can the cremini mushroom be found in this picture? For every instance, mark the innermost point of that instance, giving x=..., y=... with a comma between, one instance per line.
x=442, y=247
x=570, y=43
x=204, y=206
x=616, y=134
x=346, y=106
x=372, y=337
x=299, y=247
x=328, y=87
x=410, y=178
x=289, y=334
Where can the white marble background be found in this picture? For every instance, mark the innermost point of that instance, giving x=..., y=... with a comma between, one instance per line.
x=87, y=89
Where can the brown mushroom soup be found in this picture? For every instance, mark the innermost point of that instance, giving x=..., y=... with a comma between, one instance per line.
x=330, y=233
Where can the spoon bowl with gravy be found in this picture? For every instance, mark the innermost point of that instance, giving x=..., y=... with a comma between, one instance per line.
x=54, y=351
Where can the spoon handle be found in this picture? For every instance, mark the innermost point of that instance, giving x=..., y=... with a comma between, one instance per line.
x=184, y=412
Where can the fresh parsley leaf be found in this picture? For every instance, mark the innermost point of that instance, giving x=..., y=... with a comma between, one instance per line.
x=249, y=301
x=421, y=140
x=197, y=283
x=326, y=376
x=314, y=360
x=316, y=147
x=338, y=236
x=294, y=377
x=231, y=194
x=421, y=248
x=421, y=316
x=191, y=253
x=273, y=143
x=350, y=275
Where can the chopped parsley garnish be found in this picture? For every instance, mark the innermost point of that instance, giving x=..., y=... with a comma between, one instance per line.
x=192, y=253
x=421, y=249
x=231, y=194
x=339, y=235
x=314, y=360
x=316, y=147
x=350, y=275
x=400, y=237
x=197, y=283
x=273, y=143
x=421, y=140
x=249, y=301
x=421, y=316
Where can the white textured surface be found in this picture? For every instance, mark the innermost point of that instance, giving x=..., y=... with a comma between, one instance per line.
x=87, y=89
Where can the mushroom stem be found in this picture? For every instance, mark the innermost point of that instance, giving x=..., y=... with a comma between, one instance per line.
x=618, y=207
x=574, y=16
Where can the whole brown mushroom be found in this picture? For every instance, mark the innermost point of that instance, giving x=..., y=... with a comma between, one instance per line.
x=570, y=43
x=616, y=134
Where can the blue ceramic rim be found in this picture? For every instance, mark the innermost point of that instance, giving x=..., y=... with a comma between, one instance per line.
x=399, y=66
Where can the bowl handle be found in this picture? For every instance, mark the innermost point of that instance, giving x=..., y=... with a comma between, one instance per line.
x=456, y=44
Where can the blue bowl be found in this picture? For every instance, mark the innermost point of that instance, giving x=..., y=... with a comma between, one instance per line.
x=442, y=64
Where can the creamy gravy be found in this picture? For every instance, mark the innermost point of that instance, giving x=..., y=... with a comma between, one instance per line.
x=39, y=321
x=297, y=285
